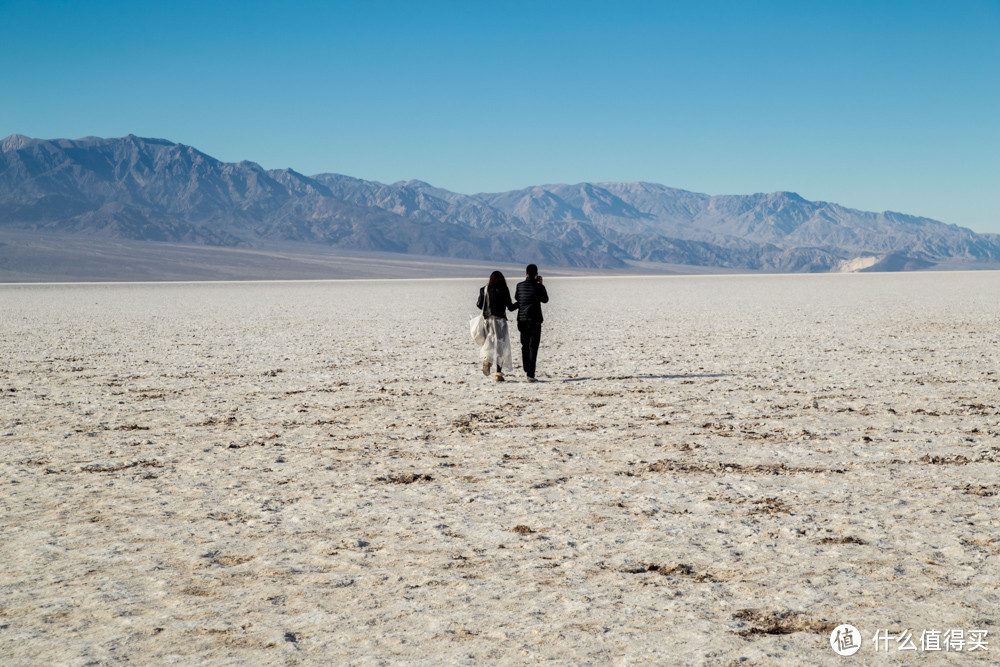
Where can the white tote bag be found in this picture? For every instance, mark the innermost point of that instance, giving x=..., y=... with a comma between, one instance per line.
x=477, y=325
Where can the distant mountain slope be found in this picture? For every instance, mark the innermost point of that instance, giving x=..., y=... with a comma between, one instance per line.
x=156, y=190
x=781, y=219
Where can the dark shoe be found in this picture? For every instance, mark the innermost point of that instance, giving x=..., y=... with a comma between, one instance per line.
x=486, y=368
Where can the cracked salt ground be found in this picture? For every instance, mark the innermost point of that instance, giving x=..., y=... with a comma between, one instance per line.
x=715, y=469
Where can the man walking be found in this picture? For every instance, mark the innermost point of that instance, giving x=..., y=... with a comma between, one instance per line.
x=530, y=295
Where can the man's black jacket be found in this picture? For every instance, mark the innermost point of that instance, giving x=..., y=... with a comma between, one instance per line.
x=529, y=296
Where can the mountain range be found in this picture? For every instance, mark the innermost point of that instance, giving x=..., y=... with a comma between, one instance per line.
x=153, y=190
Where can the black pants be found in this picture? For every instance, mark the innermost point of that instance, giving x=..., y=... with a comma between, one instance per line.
x=531, y=334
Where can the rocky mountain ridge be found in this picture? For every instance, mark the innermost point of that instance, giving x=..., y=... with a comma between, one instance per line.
x=157, y=190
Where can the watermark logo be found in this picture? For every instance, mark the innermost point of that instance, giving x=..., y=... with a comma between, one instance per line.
x=845, y=639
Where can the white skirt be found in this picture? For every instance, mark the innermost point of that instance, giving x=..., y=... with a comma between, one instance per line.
x=496, y=349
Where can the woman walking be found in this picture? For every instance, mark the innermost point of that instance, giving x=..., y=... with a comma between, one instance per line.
x=494, y=300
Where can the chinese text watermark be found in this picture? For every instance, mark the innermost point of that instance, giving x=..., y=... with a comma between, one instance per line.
x=847, y=640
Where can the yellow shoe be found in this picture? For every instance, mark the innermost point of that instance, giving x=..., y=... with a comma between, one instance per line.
x=498, y=377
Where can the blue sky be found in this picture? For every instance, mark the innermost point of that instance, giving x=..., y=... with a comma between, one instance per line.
x=876, y=105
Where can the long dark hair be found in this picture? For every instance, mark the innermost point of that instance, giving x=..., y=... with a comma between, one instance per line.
x=498, y=287
x=496, y=278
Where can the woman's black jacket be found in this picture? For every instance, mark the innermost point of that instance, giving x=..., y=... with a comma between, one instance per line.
x=500, y=301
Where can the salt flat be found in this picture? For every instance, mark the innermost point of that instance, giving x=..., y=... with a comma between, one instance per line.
x=717, y=470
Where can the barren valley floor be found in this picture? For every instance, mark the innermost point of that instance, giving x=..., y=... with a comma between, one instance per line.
x=715, y=470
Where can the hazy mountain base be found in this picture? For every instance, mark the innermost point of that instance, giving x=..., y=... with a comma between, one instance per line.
x=28, y=257
x=31, y=257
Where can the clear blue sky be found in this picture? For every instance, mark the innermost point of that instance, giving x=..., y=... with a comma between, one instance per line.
x=877, y=105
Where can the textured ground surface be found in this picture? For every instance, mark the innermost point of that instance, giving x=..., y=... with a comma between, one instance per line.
x=716, y=470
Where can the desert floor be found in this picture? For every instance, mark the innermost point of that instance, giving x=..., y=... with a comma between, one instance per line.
x=715, y=470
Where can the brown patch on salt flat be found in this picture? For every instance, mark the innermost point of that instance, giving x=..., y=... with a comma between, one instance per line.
x=197, y=592
x=229, y=516
x=980, y=489
x=115, y=467
x=551, y=482
x=260, y=442
x=849, y=539
x=721, y=468
x=780, y=623
x=680, y=570
x=954, y=459
x=226, y=560
x=212, y=421
x=770, y=506
x=404, y=478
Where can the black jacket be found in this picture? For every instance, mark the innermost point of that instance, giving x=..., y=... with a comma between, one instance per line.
x=500, y=301
x=530, y=295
